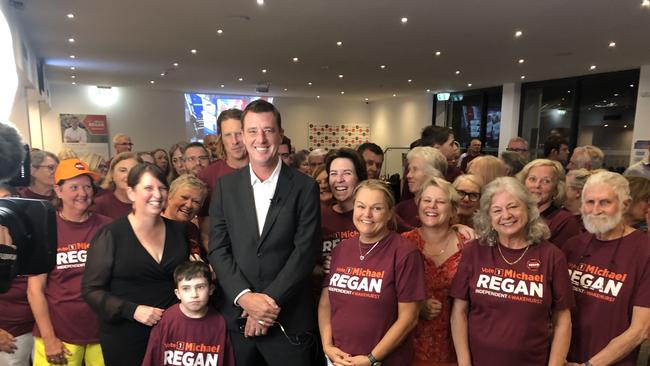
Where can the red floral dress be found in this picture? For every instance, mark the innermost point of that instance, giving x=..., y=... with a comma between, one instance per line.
x=432, y=338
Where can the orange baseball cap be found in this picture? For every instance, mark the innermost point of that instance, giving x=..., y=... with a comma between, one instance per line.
x=71, y=168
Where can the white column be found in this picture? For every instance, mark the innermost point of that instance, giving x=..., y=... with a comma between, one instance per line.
x=642, y=115
x=510, y=102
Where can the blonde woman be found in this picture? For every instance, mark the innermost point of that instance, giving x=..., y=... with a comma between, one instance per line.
x=115, y=203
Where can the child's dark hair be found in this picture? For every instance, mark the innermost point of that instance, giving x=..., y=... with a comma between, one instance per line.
x=190, y=270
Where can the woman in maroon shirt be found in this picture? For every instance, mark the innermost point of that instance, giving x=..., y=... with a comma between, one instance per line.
x=185, y=198
x=441, y=247
x=67, y=330
x=544, y=180
x=115, y=203
x=370, y=302
x=43, y=165
x=512, y=291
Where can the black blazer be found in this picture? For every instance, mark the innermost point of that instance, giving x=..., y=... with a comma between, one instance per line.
x=277, y=263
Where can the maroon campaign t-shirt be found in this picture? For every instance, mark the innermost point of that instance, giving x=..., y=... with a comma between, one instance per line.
x=108, y=205
x=73, y=320
x=15, y=314
x=364, y=294
x=563, y=225
x=180, y=340
x=609, y=278
x=210, y=175
x=335, y=227
x=408, y=212
x=25, y=192
x=510, y=306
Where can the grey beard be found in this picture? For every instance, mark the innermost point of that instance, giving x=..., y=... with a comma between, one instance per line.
x=602, y=224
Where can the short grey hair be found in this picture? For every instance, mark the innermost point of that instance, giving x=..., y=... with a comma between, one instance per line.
x=590, y=154
x=519, y=139
x=317, y=152
x=560, y=185
x=536, y=229
x=618, y=183
x=434, y=159
x=120, y=136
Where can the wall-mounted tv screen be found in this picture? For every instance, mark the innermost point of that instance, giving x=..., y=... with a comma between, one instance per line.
x=202, y=110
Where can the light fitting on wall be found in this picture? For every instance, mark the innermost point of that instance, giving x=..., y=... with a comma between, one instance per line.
x=104, y=96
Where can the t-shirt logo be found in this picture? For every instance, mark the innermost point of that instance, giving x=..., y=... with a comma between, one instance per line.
x=533, y=264
x=595, y=281
x=511, y=285
x=72, y=255
x=189, y=353
x=357, y=281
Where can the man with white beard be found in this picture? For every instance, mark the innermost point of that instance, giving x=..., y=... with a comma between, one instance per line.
x=609, y=267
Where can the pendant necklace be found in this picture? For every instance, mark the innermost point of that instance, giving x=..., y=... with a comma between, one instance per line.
x=518, y=259
x=363, y=256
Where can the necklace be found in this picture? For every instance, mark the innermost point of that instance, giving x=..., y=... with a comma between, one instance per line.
x=363, y=256
x=444, y=248
x=84, y=217
x=518, y=259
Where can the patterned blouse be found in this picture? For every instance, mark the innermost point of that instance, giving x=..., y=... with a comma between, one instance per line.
x=432, y=338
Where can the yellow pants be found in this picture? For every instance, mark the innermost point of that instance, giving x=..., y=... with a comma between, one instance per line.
x=85, y=354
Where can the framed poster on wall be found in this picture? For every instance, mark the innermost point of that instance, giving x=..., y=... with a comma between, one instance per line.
x=85, y=133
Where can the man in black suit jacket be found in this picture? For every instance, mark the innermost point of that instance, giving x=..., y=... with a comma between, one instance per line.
x=264, y=244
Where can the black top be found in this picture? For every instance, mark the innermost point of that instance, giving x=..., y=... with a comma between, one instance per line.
x=120, y=275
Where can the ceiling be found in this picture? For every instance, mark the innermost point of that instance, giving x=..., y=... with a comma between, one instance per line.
x=130, y=43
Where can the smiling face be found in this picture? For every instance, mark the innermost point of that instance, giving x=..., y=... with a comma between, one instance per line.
x=121, y=172
x=602, y=211
x=508, y=215
x=76, y=194
x=371, y=215
x=262, y=138
x=148, y=196
x=435, y=208
x=342, y=179
x=184, y=204
x=541, y=184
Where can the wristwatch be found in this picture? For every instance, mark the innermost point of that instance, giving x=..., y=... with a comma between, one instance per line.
x=373, y=360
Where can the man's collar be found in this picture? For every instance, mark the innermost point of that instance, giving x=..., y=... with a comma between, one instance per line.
x=274, y=175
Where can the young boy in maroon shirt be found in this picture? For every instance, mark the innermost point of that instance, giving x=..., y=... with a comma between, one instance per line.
x=191, y=331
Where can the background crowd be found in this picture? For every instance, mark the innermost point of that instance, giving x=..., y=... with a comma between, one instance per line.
x=482, y=260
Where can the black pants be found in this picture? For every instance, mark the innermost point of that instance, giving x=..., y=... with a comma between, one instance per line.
x=274, y=349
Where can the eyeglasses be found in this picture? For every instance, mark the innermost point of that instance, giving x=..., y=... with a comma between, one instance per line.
x=51, y=168
x=473, y=196
x=516, y=149
x=192, y=159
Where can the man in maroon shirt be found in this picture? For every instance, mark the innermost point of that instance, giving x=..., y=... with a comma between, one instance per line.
x=230, y=128
x=609, y=267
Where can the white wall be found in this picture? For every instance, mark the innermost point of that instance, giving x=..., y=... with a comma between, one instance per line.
x=398, y=121
x=157, y=119
x=642, y=116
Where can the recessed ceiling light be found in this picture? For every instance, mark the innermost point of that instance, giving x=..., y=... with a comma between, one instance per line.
x=219, y=31
x=605, y=125
x=366, y=99
x=624, y=126
x=71, y=40
x=193, y=51
x=592, y=67
x=631, y=85
x=70, y=16
x=394, y=95
x=72, y=68
x=522, y=77
x=646, y=3
x=616, y=94
x=457, y=72
x=152, y=81
x=285, y=89
x=518, y=34
x=340, y=76
x=240, y=79
x=339, y=43
x=260, y=2
x=342, y=92
x=521, y=61
x=604, y=100
x=74, y=83
x=382, y=67
x=73, y=76
x=409, y=80
x=309, y=83
x=568, y=91
x=428, y=90
x=295, y=59
x=404, y=19
x=264, y=71
x=612, y=44
x=469, y=84
x=175, y=64
x=222, y=86
x=438, y=53
x=318, y=97
x=163, y=74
